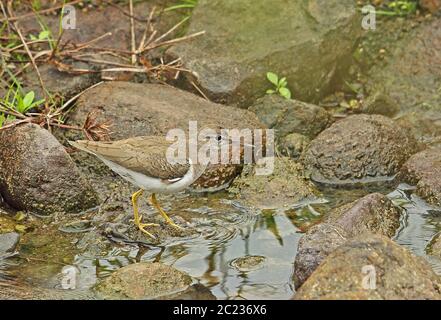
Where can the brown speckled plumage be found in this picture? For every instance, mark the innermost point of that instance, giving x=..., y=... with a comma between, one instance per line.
x=146, y=155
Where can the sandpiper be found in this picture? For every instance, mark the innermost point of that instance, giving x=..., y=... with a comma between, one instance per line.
x=143, y=162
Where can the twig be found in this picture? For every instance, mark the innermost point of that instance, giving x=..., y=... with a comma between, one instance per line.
x=132, y=33
x=174, y=41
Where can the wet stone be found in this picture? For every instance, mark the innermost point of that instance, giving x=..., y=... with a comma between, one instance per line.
x=281, y=189
x=358, y=149
x=424, y=170
x=248, y=263
x=143, y=281
x=398, y=273
x=373, y=213
x=38, y=175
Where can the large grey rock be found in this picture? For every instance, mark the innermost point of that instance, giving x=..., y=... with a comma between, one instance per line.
x=412, y=71
x=306, y=41
x=152, y=109
x=291, y=116
x=424, y=170
x=38, y=175
x=359, y=148
x=373, y=213
x=395, y=272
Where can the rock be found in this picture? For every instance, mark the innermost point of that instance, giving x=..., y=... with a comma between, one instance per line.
x=143, y=281
x=359, y=148
x=411, y=73
x=8, y=242
x=380, y=103
x=58, y=82
x=432, y=6
x=396, y=273
x=308, y=42
x=248, y=263
x=424, y=170
x=152, y=109
x=38, y=175
x=291, y=116
x=424, y=123
x=283, y=188
x=314, y=247
x=434, y=247
x=373, y=213
x=293, y=145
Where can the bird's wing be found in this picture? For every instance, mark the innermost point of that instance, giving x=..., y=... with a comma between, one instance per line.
x=146, y=155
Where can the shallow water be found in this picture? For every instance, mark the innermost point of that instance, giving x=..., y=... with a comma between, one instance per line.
x=228, y=237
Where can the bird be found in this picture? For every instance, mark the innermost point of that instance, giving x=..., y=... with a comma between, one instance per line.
x=143, y=162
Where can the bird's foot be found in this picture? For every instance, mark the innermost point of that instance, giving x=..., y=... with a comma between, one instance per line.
x=142, y=226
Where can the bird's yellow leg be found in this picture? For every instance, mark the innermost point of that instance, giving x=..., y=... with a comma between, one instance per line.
x=162, y=212
x=138, y=217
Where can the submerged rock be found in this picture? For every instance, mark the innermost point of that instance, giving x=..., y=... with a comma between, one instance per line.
x=143, y=281
x=281, y=189
x=314, y=247
x=293, y=145
x=373, y=213
x=434, y=248
x=8, y=242
x=38, y=175
x=308, y=42
x=424, y=170
x=372, y=267
x=359, y=148
x=291, y=116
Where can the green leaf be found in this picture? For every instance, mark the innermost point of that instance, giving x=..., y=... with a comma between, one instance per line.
x=270, y=91
x=273, y=78
x=27, y=100
x=285, y=92
x=43, y=35
x=283, y=82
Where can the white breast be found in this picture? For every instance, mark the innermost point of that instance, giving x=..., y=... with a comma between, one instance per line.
x=151, y=184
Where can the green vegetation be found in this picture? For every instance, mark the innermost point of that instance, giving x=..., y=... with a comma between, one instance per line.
x=279, y=85
x=17, y=101
x=183, y=4
x=399, y=8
